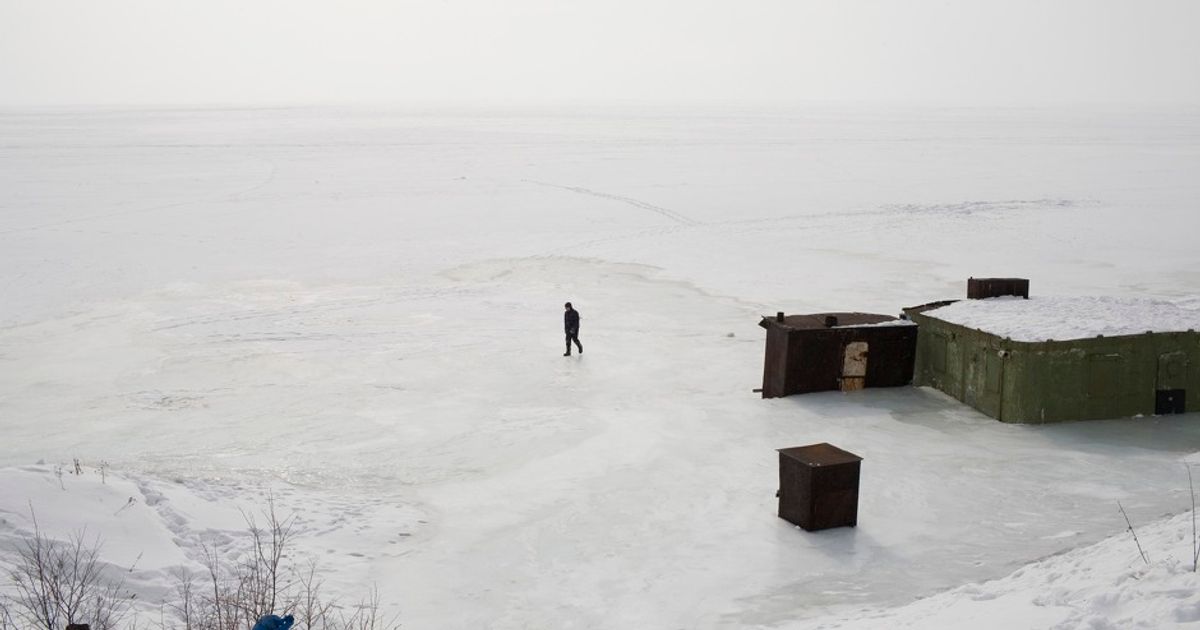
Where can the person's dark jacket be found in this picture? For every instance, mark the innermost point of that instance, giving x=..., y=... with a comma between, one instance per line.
x=273, y=622
x=571, y=321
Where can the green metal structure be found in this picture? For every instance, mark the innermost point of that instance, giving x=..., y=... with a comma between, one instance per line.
x=1055, y=381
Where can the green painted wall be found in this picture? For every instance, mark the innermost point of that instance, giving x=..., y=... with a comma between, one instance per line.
x=1054, y=381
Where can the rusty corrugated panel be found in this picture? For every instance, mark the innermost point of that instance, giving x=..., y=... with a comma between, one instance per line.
x=818, y=486
x=775, y=362
x=816, y=363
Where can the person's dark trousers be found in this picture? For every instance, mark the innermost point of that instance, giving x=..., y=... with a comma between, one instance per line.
x=573, y=335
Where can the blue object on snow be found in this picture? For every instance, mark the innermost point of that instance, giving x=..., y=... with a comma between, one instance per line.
x=272, y=622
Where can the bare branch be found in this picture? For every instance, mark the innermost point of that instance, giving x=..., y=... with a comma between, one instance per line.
x=57, y=583
x=1195, y=543
x=1135, y=538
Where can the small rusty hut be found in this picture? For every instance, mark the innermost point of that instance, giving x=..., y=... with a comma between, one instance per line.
x=832, y=351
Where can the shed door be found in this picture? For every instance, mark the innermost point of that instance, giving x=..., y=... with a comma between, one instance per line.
x=1168, y=401
x=1170, y=395
x=1172, y=370
x=854, y=366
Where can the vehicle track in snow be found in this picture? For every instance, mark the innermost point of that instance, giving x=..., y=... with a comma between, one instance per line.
x=884, y=216
x=637, y=203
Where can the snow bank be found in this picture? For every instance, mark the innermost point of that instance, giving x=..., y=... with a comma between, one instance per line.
x=1102, y=586
x=147, y=530
x=1059, y=318
x=112, y=509
x=122, y=516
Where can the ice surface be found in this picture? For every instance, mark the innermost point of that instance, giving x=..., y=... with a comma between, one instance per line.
x=1042, y=318
x=360, y=313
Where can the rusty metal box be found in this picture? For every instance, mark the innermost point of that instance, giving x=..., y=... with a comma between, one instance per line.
x=818, y=486
x=982, y=288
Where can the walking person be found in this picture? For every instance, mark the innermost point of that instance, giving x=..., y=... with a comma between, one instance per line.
x=571, y=327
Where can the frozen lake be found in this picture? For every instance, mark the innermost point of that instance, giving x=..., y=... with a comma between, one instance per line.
x=359, y=311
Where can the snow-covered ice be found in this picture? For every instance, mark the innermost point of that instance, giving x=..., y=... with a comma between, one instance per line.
x=1106, y=586
x=359, y=313
x=1071, y=317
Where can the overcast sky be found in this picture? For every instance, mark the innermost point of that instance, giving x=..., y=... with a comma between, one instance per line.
x=518, y=51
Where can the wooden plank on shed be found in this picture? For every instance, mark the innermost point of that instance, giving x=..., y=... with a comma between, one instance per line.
x=854, y=366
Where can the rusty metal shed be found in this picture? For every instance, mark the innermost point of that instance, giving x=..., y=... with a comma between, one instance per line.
x=836, y=351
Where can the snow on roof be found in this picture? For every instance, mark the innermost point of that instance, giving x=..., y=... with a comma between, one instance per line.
x=890, y=322
x=1059, y=318
x=817, y=320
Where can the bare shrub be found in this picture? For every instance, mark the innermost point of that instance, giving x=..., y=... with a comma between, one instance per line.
x=311, y=610
x=56, y=583
x=6, y=620
x=233, y=593
x=366, y=616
